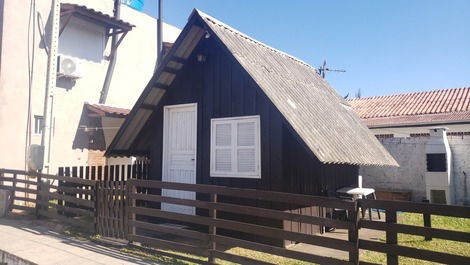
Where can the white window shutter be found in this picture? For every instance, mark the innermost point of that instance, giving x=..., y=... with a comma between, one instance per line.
x=223, y=148
x=246, y=149
x=235, y=147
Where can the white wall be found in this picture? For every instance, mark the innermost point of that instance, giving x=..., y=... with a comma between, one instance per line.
x=410, y=154
x=83, y=40
x=134, y=67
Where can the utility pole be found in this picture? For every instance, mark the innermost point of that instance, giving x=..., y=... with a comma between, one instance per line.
x=50, y=85
x=159, y=33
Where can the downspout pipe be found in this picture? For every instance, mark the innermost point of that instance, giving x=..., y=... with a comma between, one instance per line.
x=112, y=58
x=159, y=33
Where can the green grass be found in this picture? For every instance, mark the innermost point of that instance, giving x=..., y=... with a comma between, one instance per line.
x=236, y=251
x=262, y=257
x=447, y=246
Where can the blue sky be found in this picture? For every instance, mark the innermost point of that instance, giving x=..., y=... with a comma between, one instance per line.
x=386, y=47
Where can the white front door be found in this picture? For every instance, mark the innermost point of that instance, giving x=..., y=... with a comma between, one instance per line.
x=179, y=153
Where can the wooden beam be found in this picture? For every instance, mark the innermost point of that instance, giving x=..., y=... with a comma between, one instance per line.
x=113, y=51
x=178, y=60
x=66, y=22
x=147, y=106
x=170, y=70
x=162, y=86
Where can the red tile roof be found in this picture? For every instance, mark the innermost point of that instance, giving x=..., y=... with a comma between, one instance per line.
x=104, y=110
x=421, y=107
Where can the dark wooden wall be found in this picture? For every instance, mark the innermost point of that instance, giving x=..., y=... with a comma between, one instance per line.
x=223, y=89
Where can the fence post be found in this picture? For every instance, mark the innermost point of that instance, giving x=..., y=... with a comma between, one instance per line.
x=392, y=236
x=212, y=228
x=13, y=192
x=131, y=203
x=427, y=223
x=353, y=233
x=38, y=196
x=96, y=200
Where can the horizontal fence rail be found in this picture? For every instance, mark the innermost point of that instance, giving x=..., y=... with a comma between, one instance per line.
x=392, y=229
x=43, y=195
x=212, y=230
x=224, y=217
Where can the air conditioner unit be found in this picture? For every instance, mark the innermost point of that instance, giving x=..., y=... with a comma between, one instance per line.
x=35, y=157
x=69, y=67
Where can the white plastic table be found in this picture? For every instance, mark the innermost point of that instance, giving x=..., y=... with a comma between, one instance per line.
x=358, y=193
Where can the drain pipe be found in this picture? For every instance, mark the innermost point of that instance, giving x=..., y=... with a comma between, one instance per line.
x=112, y=58
x=465, y=200
x=159, y=33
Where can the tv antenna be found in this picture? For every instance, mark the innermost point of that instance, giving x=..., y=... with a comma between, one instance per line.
x=324, y=68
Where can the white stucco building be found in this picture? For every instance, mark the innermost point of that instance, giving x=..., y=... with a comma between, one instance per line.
x=26, y=34
x=428, y=134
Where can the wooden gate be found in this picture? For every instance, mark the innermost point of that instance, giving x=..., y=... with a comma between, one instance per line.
x=111, y=219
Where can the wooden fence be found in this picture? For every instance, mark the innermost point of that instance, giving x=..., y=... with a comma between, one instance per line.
x=111, y=218
x=208, y=241
x=42, y=195
x=138, y=170
x=390, y=226
x=132, y=209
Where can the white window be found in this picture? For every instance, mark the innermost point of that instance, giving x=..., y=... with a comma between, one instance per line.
x=38, y=120
x=235, y=147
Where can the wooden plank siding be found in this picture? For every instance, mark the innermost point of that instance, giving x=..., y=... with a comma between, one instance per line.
x=222, y=88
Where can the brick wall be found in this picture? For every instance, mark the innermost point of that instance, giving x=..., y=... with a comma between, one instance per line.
x=96, y=158
x=410, y=154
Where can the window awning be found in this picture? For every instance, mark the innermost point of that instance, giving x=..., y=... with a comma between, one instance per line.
x=94, y=16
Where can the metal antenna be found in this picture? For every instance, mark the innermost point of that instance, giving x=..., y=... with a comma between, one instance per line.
x=324, y=68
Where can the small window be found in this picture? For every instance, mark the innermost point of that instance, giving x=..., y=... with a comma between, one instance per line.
x=235, y=147
x=436, y=162
x=38, y=124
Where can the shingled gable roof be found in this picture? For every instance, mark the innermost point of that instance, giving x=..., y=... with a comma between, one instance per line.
x=322, y=118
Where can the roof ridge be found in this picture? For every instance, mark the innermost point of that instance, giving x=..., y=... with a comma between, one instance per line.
x=235, y=31
x=408, y=93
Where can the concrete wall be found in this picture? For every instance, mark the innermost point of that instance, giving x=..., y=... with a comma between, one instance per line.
x=135, y=64
x=410, y=154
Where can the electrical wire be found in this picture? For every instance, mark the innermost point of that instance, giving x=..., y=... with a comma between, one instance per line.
x=41, y=29
x=31, y=39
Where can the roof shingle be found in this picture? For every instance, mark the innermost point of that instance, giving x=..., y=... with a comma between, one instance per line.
x=428, y=102
x=316, y=112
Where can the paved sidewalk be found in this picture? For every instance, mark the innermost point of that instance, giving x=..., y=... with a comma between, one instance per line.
x=41, y=245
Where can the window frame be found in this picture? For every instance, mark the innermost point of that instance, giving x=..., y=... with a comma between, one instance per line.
x=234, y=121
x=41, y=125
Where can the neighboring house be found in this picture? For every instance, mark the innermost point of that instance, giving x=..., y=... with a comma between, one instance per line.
x=428, y=133
x=413, y=114
x=226, y=109
x=26, y=30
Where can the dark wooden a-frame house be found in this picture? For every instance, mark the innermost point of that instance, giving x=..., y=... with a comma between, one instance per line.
x=225, y=109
